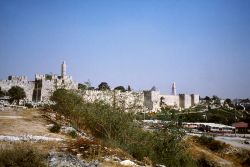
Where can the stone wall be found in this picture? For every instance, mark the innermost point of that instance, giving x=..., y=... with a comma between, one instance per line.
x=130, y=101
x=195, y=99
x=185, y=101
x=28, y=86
x=151, y=100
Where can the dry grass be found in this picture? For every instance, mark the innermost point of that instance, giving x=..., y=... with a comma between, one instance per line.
x=28, y=121
x=112, y=164
x=22, y=154
x=238, y=158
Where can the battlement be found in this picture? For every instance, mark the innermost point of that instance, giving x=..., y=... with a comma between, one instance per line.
x=17, y=78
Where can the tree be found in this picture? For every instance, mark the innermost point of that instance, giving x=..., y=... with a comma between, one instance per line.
x=121, y=88
x=16, y=93
x=216, y=99
x=229, y=102
x=207, y=98
x=82, y=86
x=103, y=86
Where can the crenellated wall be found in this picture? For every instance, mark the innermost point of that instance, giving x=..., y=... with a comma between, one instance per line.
x=22, y=82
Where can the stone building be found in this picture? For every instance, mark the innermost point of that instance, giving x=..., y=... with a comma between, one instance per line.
x=43, y=86
x=154, y=100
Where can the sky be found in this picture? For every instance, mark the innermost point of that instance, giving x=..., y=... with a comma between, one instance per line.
x=203, y=46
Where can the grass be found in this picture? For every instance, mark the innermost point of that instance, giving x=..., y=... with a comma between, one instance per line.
x=210, y=143
x=21, y=155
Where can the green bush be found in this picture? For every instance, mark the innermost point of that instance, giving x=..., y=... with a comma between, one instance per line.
x=28, y=105
x=55, y=128
x=117, y=127
x=22, y=157
x=73, y=134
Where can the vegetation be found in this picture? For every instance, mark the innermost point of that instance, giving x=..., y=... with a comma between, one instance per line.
x=82, y=86
x=73, y=134
x=218, y=115
x=21, y=156
x=121, y=88
x=210, y=143
x=117, y=128
x=55, y=128
x=16, y=93
x=103, y=86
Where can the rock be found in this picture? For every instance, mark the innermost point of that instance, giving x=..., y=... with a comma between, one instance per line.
x=128, y=163
x=67, y=129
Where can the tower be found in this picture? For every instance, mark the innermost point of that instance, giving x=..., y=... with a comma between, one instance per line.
x=174, y=89
x=63, y=69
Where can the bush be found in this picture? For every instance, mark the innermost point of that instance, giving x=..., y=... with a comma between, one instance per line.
x=55, y=129
x=73, y=134
x=211, y=144
x=22, y=157
x=203, y=162
x=116, y=127
x=28, y=105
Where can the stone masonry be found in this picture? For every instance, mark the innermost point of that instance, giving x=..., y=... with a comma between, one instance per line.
x=42, y=88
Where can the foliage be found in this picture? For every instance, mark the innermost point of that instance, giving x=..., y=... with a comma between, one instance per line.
x=228, y=101
x=117, y=128
x=48, y=76
x=204, y=162
x=28, y=105
x=55, y=128
x=82, y=86
x=121, y=88
x=21, y=156
x=67, y=102
x=73, y=134
x=210, y=143
x=103, y=86
x=216, y=99
x=207, y=98
x=16, y=93
x=221, y=115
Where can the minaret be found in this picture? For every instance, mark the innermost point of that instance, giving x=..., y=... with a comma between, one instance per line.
x=63, y=69
x=174, y=89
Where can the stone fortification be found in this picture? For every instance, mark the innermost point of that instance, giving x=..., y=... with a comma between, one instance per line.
x=47, y=84
x=130, y=101
x=20, y=81
x=42, y=88
x=153, y=100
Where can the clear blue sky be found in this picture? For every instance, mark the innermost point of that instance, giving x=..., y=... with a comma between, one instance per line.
x=202, y=45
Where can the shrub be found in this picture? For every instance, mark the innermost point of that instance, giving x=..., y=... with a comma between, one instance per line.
x=22, y=157
x=28, y=105
x=73, y=134
x=116, y=126
x=211, y=144
x=55, y=129
x=203, y=162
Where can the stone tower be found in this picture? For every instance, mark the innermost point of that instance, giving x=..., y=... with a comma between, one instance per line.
x=63, y=69
x=174, y=89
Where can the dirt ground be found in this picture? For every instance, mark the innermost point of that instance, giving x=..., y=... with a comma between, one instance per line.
x=16, y=122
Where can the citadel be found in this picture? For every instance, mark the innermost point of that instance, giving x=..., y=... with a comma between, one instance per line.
x=40, y=90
